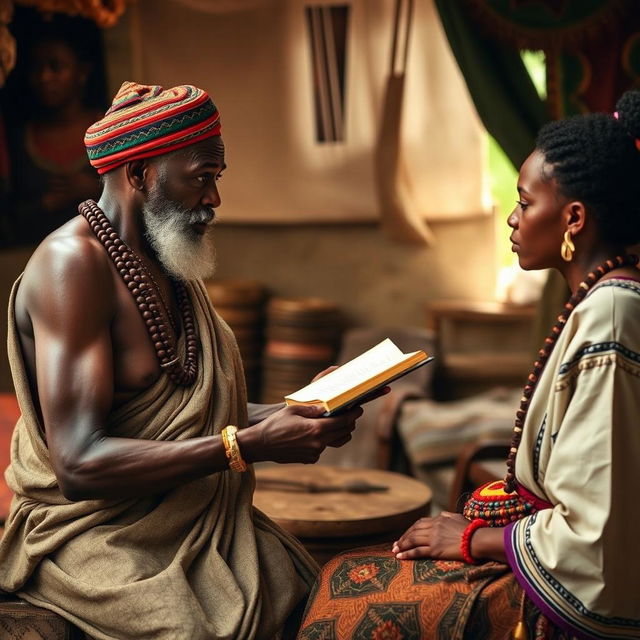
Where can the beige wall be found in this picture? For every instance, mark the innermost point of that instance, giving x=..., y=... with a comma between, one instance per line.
x=375, y=281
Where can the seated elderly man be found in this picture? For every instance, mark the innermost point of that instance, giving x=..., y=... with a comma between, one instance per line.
x=132, y=514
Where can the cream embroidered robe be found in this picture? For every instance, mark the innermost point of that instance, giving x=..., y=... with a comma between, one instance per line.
x=580, y=561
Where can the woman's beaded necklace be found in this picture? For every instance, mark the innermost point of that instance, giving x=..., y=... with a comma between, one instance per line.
x=148, y=298
x=544, y=353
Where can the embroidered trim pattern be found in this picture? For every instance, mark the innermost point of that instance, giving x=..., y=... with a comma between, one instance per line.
x=552, y=593
x=598, y=349
x=537, y=447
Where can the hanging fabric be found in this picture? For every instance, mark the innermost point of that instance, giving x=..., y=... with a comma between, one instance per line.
x=258, y=66
x=105, y=13
x=7, y=41
x=400, y=219
x=327, y=34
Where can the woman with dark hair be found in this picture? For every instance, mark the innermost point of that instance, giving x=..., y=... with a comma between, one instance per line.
x=49, y=169
x=551, y=551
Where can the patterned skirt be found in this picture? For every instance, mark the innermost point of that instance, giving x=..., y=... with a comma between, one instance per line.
x=369, y=594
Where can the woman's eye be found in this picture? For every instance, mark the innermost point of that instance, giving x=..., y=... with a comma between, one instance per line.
x=523, y=205
x=204, y=178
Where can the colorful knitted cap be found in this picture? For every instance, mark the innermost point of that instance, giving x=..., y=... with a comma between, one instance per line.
x=145, y=121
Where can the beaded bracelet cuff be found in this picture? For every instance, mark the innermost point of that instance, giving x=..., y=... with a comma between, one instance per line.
x=232, y=450
x=465, y=543
x=492, y=503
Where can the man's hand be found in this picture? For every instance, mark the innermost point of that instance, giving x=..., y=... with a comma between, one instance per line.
x=296, y=434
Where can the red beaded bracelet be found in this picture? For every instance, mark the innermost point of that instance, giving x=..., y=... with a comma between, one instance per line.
x=465, y=543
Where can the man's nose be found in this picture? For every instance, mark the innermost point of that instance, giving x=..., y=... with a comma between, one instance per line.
x=211, y=197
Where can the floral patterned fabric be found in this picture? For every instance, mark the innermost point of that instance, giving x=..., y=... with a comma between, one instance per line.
x=368, y=593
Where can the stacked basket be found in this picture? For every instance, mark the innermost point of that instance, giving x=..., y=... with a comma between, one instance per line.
x=241, y=305
x=302, y=339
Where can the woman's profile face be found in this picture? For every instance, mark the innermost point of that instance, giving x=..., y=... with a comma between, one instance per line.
x=56, y=75
x=537, y=221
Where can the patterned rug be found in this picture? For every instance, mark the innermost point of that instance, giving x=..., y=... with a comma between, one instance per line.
x=369, y=594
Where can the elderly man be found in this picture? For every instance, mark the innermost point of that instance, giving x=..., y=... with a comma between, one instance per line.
x=132, y=516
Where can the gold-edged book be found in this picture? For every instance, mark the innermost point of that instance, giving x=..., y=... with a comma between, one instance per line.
x=359, y=377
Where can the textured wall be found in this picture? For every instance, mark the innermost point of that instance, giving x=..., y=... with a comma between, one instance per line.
x=376, y=282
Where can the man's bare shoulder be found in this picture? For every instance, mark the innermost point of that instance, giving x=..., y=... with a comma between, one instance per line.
x=69, y=263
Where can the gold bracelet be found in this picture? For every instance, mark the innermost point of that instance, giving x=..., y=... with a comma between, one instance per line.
x=232, y=450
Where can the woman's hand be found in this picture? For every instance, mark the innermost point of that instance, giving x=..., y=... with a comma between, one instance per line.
x=438, y=537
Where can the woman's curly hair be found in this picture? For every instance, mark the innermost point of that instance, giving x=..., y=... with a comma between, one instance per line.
x=595, y=159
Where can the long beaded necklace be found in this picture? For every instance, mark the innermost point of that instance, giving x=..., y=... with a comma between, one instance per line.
x=510, y=483
x=146, y=293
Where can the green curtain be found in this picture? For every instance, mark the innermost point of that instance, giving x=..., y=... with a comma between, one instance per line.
x=504, y=95
x=512, y=112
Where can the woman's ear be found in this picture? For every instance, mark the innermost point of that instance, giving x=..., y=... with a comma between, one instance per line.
x=576, y=216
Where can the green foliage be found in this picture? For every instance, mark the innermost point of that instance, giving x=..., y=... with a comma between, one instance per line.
x=503, y=176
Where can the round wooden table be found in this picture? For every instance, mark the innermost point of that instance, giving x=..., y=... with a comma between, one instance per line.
x=332, y=509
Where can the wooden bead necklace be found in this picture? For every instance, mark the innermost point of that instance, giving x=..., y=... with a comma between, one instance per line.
x=151, y=305
x=510, y=482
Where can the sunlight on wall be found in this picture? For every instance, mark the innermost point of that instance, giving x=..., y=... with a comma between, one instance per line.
x=503, y=176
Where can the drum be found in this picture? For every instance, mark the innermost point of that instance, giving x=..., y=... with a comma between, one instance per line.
x=333, y=509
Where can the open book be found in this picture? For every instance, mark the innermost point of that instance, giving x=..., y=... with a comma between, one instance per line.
x=373, y=369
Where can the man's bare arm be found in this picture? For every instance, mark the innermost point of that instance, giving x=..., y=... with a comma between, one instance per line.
x=71, y=324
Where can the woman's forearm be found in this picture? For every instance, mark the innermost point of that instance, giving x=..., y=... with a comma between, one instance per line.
x=488, y=543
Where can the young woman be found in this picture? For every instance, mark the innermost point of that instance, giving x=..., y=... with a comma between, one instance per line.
x=551, y=552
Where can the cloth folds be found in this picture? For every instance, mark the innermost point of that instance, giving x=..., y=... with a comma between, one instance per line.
x=195, y=562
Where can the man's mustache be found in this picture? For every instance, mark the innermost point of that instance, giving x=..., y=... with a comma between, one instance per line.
x=201, y=216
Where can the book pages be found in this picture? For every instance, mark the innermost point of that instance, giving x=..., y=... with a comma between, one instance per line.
x=355, y=372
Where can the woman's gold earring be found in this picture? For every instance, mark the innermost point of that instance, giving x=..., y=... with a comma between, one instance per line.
x=567, y=247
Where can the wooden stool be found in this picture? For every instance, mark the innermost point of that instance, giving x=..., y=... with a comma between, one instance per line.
x=331, y=510
x=20, y=620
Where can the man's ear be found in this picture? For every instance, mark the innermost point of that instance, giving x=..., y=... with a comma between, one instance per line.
x=137, y=172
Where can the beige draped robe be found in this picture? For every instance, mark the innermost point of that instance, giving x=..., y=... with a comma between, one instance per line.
x=196, y=562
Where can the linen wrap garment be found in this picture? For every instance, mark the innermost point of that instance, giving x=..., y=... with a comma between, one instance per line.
x=195, y=562
x=580, y=450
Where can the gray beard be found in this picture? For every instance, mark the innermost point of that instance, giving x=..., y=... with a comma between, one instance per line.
x=184, y=254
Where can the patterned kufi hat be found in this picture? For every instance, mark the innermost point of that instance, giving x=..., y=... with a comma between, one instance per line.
x=145, y=121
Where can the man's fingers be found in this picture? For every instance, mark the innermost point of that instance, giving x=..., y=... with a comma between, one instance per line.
x=342, y=420
x=374, y=395
x=306, y=410
x=324, y=372
x=340, y=441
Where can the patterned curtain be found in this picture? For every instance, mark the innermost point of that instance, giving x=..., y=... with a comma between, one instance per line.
x=223, y=6
x=592, y=47
x=500, y=87
x=105, y=13
x=592, y=50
